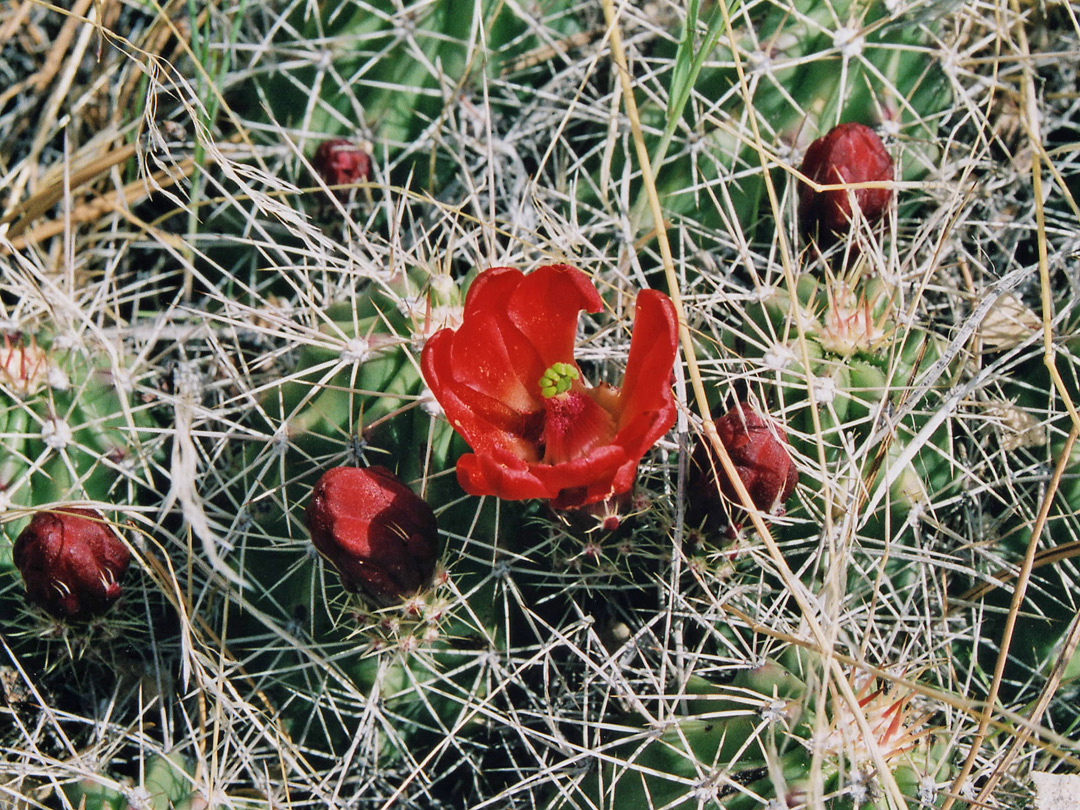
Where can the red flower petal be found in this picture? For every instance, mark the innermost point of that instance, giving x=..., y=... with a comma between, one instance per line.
x=485, y=373
x=501, y=474
x=593, y=470
x=652, y=354
x=505, y=476
x=486, y=422
x=574, y=424
x=545, y=308
x=542, y=306
x=490, y=352
x=490, y=356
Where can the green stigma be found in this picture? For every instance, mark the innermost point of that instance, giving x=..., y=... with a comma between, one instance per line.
x=557, y=380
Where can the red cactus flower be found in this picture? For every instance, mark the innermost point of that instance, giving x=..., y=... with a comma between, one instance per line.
x=71, y=561
x=508, y=383
x=380, y=536
x=757, y=447
x=340, y=162
x=849, y=153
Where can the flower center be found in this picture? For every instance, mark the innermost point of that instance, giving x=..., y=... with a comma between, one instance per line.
x=576, y=419
x=558, y=380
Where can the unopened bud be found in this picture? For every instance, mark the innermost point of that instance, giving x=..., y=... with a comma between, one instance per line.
x=849, y=153
x=758, y=448
x=341, y=163
x=71, y=561
x=379, y=536
x=24, y=367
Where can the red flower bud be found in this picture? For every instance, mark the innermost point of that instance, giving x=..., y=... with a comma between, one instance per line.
x=758, y=448
x=340, y=162
x=381, y=537
x=849, y=153
x=71, y=561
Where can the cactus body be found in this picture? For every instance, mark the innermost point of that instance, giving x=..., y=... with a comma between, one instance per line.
x=72, y=425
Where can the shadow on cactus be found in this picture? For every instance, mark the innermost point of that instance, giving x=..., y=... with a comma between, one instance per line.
x=1025, y=435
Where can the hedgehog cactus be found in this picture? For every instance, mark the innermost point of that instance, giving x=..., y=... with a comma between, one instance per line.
x=406, y=635
x=469, y=554
x=353, y=394
x=868, y=379
x=72, y=428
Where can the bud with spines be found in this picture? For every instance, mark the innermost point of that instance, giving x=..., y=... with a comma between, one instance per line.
x=71, y=561
x=341, y=163
x=848, y=153
x=758, y=448
x=380, y=537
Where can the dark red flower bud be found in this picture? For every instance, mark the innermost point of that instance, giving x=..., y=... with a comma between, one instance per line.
x=340, y=162
x=71, y=561
x=758, y=448
x=849, y=153
x=381, y=537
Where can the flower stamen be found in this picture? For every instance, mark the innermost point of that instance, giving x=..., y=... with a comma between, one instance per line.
x=558, y=380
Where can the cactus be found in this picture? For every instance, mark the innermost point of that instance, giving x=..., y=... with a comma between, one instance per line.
x=875, y=384
x=749, y=742
x=396, y=670
x=239, y=332
x=73, y=428
x=166, y=783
